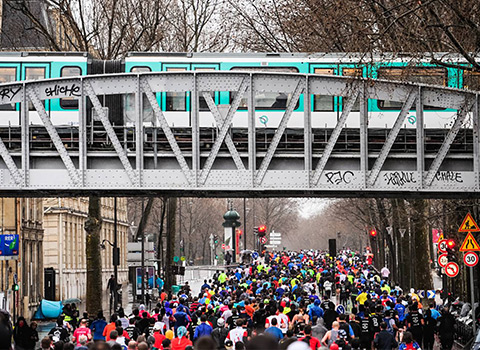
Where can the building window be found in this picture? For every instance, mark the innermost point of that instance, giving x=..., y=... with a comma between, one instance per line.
x=70, y=102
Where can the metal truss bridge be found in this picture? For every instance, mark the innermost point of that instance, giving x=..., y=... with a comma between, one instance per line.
x=156, y=158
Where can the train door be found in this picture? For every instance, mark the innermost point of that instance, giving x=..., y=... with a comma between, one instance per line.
x=36, y=71
x=175, y=103
x=353, y=72
x=9, y=114
x=324, y=107
x=206, y=117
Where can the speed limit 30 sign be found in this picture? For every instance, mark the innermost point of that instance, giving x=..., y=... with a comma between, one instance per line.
x=470, y=259
x=442, y=246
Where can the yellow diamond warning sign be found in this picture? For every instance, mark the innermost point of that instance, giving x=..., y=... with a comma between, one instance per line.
x=468, y=225
x=470, y=244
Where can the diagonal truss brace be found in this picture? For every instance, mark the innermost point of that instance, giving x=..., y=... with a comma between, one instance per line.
x=111, y=133
x=52, y=132
x=224, y=126
x=228, y=139
x=166, y=130
x=279, y=132
x=452, y=133
x=392, y=136
x=12, y=167
x=335, y=134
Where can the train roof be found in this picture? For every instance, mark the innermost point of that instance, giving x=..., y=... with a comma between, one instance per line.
x=293, y=57
x=36, y=56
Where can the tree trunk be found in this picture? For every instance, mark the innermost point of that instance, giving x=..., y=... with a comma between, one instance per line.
x=421, y=251
x=170, y=279
x=93, y=225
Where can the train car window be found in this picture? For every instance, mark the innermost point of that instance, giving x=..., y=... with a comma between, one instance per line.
x=267, y=100
x=7, y=75
x=354, y=73
x=176, y=101
x=140, y=69
x=323, y=103
x=201, y=101
x=434, y=76
x=34, y=73
x=69, y=102
x=471, y=80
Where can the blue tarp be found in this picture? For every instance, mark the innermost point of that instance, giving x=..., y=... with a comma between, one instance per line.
x=48, y=310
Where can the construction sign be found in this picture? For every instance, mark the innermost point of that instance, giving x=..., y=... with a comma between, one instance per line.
x=469, y=244
x=469, y=225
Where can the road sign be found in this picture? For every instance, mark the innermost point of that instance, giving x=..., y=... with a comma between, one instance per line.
x=470, y=259
x=275, y=234
x=421, y=293
x=442, y=246
x=468, y=225
x=451, y=270
x=9, y=246
x=430, y=294
x=176, y=259
x=402, y=231
x=443, y=260
x=469, y=244
x=263, y=239
x=340, y=309
x=389, y=230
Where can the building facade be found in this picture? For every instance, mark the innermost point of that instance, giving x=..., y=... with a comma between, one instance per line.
x=64, y=243
x=22, y=216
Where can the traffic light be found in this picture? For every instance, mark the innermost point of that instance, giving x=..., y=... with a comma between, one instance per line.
x=255, y=230
x=215, y=239
x=16, y=287
x=451, y=250
x=239, y=233
x=262, y=230
x=373, y=233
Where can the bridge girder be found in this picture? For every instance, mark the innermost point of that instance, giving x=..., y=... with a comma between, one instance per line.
x=230, y=172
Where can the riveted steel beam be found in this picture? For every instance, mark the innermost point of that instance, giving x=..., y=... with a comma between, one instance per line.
x=122, y=155
x=347, y=107
x=166, y=130
x=219, y=121
x=279, y=132
x=224, y=127
x=11, y=166
x=452, y=133
x=392, y=136
x=52, y=132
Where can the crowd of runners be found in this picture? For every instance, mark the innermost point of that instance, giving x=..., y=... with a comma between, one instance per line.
x=288, y=300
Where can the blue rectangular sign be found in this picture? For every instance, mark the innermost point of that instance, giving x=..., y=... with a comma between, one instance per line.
x=9, y=246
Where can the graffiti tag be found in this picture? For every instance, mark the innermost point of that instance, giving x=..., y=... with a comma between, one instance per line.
x=64, y=90
x=9, y=93
x=449, y=176
x=399, y=178
x=339, y=177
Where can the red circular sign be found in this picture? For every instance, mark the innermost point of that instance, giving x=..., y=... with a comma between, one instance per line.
x=470, y=259
x=442, y=246
x=452, y=269
x=263, y=239
x=443, y=260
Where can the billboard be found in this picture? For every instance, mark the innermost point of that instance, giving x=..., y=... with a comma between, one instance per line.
x=9, y=246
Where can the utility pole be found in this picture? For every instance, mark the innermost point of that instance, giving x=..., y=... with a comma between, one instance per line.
x=244, y=223
x=143, y=257
x=116, y=253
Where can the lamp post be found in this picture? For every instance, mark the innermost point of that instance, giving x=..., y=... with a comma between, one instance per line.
x=231, y=223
